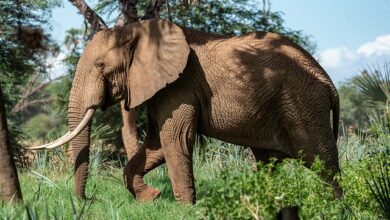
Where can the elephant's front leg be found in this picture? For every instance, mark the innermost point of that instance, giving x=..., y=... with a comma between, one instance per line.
x=129, y=131
x=148, y=157
x=177, y=140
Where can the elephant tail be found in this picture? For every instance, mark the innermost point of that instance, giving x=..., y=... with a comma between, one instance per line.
x=336, y=116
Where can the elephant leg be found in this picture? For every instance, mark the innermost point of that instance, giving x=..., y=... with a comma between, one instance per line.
x=148, y=157
x=328, y=153
x=177, y=139
x=129, y=131
x=265, y=155
x=319, y=141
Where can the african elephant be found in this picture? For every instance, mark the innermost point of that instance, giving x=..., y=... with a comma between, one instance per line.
x=259, y=90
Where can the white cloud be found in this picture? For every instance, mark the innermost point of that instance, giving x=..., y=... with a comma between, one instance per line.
x=342, y=62
x=335, y=57
x=381, y=46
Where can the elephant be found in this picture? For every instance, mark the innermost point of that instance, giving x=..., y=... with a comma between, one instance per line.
x=259, y=90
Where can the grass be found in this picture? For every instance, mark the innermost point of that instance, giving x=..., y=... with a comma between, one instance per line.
x=48, y=191
x=112, y=200
x=227, y=188
x=51, y=196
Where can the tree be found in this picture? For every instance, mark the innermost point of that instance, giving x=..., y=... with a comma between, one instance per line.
x=353, y=108
x=9, y=181
x=224, y=17
x=366, y=92
x=374, y=84
x=22, y=44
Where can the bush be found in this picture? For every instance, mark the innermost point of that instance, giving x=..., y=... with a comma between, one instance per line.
x=261, y=194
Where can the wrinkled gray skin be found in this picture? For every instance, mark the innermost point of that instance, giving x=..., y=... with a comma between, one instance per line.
x=259, y=90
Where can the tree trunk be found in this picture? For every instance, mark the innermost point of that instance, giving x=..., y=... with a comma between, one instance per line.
x=9, y=181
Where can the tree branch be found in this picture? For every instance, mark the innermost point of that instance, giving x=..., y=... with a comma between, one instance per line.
x=25, y=104
x=153, y=9
x=41, y=87
x=128, y=12
x=169, y=11
x=31, y=90
x=187, y=3
x=94, y=19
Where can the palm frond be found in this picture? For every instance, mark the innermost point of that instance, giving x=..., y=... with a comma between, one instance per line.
x=380, y=188
x=374, y=83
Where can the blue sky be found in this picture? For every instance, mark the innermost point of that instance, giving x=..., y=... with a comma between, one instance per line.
x=350, y=34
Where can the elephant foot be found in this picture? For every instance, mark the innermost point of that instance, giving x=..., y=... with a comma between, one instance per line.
x=147, y=195
x=185, y=197
x=185, y=201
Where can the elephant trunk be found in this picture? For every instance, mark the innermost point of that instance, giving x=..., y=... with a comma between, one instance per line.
x=79, y=146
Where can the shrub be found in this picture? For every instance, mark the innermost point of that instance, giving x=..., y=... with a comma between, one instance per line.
x=261, y=194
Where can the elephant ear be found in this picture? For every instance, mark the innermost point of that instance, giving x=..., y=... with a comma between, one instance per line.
x=160, y=55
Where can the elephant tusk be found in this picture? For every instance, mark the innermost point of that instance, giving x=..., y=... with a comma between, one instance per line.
x=69, y=135
x=45, y=145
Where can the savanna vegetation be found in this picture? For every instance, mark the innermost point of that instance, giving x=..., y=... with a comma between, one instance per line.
x=227, y=186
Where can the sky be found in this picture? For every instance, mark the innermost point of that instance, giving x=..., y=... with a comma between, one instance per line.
x=350, y=34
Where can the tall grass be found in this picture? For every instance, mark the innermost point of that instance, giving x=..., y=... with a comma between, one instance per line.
x=380, y=186
x=225, y=185
x=227, y=188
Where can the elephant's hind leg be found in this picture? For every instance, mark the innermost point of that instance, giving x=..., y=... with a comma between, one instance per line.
x=148, y=157
x=265, y=155
x=319, y=141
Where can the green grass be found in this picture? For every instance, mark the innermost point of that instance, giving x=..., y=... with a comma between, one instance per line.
x=112, y=200
x=227, y=188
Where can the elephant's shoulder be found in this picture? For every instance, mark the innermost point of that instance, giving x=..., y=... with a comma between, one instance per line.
x=251, y=42
x=265, y=39
x=247, y=47
x=262, y=35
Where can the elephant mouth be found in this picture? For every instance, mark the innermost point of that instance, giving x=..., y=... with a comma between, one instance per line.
x=105, y=105
x=107, y=100
x=70, y=134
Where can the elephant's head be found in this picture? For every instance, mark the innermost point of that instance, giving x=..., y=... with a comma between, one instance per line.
x=131, y=62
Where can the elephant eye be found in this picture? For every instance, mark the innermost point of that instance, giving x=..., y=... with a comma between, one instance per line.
x=100, y=65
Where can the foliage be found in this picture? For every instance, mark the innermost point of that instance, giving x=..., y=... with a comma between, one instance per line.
x=37, y=127
x=226, y=185
x=245, y=194
x=20, y=56
x=224, y=17
x=249, y=194
x=373, y=142
x=235, y=17
x=353, y=109
x=227, y=188
x=380, y=186
x=17, y=60
x=364, y=95
x=374, y=83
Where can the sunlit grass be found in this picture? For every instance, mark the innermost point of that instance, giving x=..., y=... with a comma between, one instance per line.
x=225, y=183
